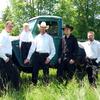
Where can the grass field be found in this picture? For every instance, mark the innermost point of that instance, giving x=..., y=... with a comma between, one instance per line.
x=54, y=90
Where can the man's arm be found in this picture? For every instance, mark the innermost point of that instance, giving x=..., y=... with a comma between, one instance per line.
x=98, y=58
x=75, y=49
x=31, y=51
x=52, y=49
x=81, y=44
x=3, y=56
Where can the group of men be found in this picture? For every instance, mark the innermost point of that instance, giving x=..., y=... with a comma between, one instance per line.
x=80, y=56
x=44, y=50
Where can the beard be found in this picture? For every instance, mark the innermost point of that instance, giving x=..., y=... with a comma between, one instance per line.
x=90, y=39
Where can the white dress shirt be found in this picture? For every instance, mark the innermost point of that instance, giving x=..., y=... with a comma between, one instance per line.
x=25, y=37
x=43, y=44
x=92, y=49
x=5, y=43
x=2, y=55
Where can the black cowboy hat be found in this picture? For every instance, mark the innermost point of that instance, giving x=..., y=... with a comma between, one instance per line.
x=68, y=26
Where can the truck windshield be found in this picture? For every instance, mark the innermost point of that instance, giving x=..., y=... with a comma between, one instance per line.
x=31, y=24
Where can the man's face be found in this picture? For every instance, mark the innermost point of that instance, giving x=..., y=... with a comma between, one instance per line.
x=26, y=28
x=9, y=27
x=90, y=36
x=67, y=31
x=42, y=29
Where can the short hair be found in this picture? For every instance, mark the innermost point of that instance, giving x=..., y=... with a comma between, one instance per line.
x=91, y=32
x=25, y=24
x=8, y=22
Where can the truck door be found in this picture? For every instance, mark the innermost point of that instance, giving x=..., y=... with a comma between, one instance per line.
x=55, y=31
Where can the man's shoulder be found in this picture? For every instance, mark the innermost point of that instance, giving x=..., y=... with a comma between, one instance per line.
x=22, y=32
x=96, y=41
x=49, y=36
x=37, y=35
x=72, y=36
x=3, y=33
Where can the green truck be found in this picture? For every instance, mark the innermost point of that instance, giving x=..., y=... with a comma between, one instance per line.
x=55, y=30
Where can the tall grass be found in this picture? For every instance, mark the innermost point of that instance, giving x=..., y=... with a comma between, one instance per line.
x=53, y=91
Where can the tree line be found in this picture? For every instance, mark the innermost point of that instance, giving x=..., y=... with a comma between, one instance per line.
x=84, y=15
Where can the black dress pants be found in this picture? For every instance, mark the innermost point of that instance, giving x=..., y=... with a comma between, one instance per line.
x=9, y=73
x=39, y=61
x=66, y=69
x=25, y=46
x=91, y=70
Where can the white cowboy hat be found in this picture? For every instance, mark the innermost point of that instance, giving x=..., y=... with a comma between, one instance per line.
x=43, y=24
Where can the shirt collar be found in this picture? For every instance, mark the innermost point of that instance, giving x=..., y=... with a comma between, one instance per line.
x=25, y=32
x=89, y=42
x=43, y=34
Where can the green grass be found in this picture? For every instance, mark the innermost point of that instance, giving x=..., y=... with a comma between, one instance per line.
x=54, y=90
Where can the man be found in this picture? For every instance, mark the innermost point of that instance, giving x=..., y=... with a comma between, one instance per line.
x=92, y=49
x=44, y=49
x=26, y=39
x=80, y=65
x=8, y=70
x=68, y=54
x=2, y=70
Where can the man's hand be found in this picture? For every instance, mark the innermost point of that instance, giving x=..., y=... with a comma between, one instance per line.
x=26, y=61
x=71, y=61
x=59, y=60
x=7, y=60
x=47, y=61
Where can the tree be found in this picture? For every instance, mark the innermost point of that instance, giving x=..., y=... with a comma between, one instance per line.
x=21, y=11
x=45, y=7
x=82, y=14
x=87, y=11
x=7, y=15
x=1, y=26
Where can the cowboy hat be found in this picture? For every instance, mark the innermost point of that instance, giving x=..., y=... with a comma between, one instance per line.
x=43, y=24
x=68, y=26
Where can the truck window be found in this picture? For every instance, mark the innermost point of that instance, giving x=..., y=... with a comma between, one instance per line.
x=53, y=28
x=31, y=25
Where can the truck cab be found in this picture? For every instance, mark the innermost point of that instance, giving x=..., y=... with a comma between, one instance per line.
x=55, y=30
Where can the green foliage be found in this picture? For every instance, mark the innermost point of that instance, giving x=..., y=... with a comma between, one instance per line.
x=7, y=14
x=20, y=12
x=86, y=19
x=45, y=7
x=82, y=14
x=1, y=25
x=67, y=11
x=54, y=90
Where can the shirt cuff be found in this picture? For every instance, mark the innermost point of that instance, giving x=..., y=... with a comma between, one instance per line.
x=5, y=58
x=50, y=57
x=97, y=61
x=28, y=57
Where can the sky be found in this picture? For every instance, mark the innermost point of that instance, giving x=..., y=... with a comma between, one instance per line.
x=3, y=5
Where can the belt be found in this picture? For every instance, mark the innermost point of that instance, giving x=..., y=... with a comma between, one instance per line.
x=8, y=55
x=41, y=53
x=25, y=42
x=92, y=58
